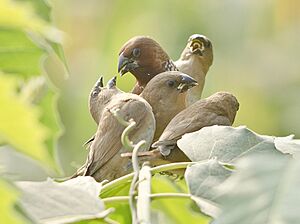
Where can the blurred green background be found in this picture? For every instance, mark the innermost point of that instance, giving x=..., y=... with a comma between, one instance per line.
x=256, y=57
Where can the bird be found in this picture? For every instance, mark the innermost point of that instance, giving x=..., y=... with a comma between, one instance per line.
x=99, y=97
x=166, y=93
x=144, y=58
x=195, y=60
x=104, y=161
x=218, y=109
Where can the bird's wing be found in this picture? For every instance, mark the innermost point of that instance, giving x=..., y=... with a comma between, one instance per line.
x=107, y=141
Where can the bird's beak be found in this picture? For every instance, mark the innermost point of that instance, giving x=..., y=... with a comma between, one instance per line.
x=97, y=87
x=186, y=83
x=126, y=65
x=112, y=82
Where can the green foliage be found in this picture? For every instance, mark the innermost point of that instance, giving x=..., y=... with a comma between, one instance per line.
x=265, y=189
x=66, y=202
x=9, y=196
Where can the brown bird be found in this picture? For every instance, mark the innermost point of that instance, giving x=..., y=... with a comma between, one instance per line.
x=218, y=109
x=104, y=160
x=166, y=93
x=144, y=58
x=195, y=60
x=99, y=98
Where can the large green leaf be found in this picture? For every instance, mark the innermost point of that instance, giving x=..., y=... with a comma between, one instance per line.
x=202, y=179
x=225, y=143
x=175, y=210
x=19, y=122
x=70, y=201
x=264, y=190
x=18, y=54
x=19, y=167
x=288, y=145
x=8, y=197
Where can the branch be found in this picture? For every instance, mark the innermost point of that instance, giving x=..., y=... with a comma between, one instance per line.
x=124, y=179
x=152, y=196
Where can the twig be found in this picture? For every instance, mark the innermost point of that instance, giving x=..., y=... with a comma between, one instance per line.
x=152, y=196
x=143, y=199
x=161, y=168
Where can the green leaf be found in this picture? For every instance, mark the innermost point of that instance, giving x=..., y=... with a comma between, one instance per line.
x=18, y=54
x=225, y=143
x=288, y=145
x=9, y=195
x=175, y=210
x=264, y=190
x=202, y=179
x=19, y=122
x=71, y=201
x=17, y=166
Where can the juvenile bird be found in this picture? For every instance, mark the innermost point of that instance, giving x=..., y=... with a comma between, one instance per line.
x=195, y=61
x=99, y=98
x=166, y=93
x=104, y=160
x=144, y=58
x=218, y=109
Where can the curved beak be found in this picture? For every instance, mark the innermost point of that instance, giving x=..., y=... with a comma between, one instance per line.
x=186, y=83
x=126, y=65
x=112, y=82
x=122, y=65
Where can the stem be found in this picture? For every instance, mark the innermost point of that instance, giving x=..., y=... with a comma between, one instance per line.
x=136, y=169
x=152, y=196
x=144, y=192
x=161, y=168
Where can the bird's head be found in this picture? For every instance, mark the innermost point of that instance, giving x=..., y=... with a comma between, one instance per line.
x=198, y=46
x=168, y=85
x=143, y=57
x=101, y=95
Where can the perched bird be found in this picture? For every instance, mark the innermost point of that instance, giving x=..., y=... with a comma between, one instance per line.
x=195, y=61
x=166, y=93
x=144, y=58
x=218, y=109
x=104, y=160
x=99, y=98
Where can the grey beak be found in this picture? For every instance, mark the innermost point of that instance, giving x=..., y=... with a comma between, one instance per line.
x=112, y=82
x=122, y=64
x=97, y=87
x=188, y=80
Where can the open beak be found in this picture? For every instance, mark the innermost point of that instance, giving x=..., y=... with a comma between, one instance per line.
x=186, y=83
x=112, y=82
x=196, y=47
x=126, y=65
x=97, y=87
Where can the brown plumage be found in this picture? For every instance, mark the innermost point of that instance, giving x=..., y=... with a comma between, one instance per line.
x=99, y=98
x=144, y=58
x=218, y=109
x=195, y=60
x=104, y=160
x=166, y=93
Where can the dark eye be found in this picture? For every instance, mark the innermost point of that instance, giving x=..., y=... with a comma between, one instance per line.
x=171, y=83
x=136, y=52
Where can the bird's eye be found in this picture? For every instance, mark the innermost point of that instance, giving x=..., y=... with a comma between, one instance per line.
x=171, y=83
x=136, y=52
